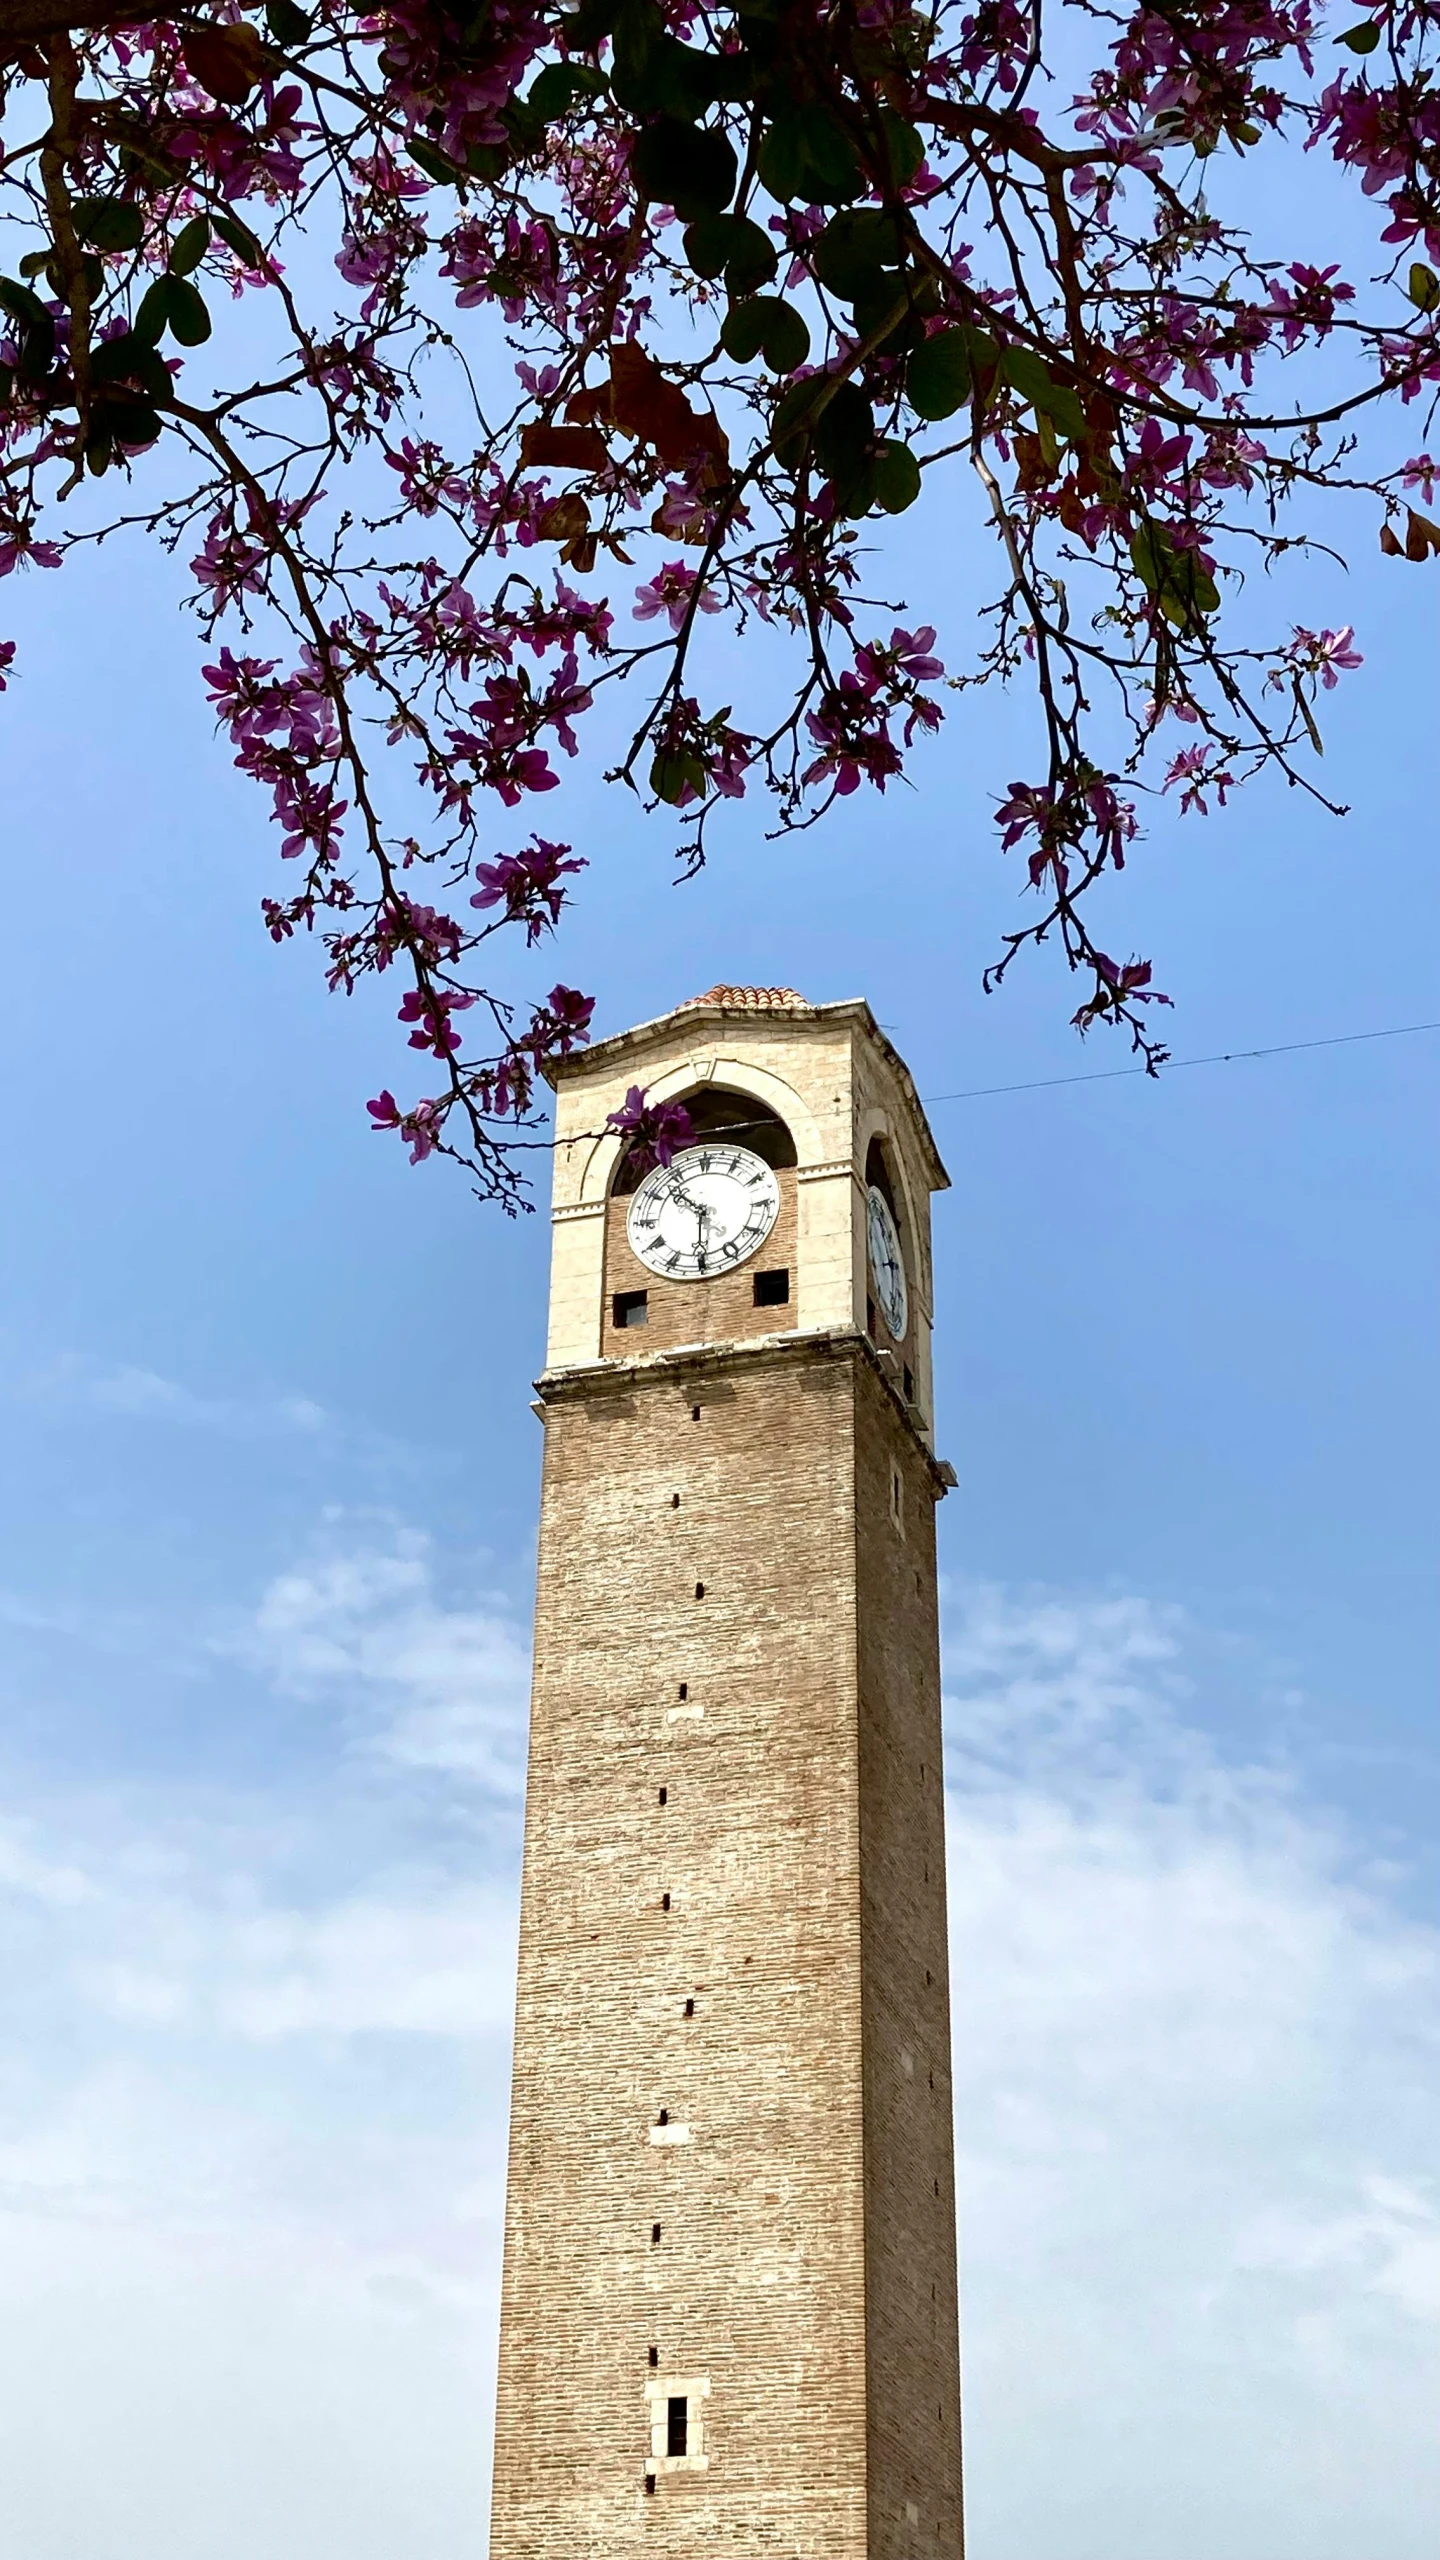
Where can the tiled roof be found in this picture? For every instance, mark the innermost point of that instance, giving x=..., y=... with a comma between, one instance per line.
x=751, y=999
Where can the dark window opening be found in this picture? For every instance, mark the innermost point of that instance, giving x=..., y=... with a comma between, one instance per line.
x=664, y=2118
x=927, y=1977
x=871, y=1325
x=717, y=1111
x=649, y=2484
x=689, y=2008
x=654, y=2235
x=772, y=1288
x=664, y=1795
x=909, y=1386
x=664, y=1901
x=629, y=1306
x=699, y=1590
x=694, y=1413
x=655, y=2352
x=677, y=2426
x=684, y=1688
x=937, y=2186
x=674, y=1501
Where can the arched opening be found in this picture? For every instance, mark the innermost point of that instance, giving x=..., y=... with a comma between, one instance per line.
x=716, y=1111
x=877, y=1171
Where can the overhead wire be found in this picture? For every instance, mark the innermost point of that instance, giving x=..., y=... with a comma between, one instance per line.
x=1216, y=1058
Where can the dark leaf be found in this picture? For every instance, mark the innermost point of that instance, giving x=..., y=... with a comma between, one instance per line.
x=903, y=144
x=852, y=252
x=236, y=236
x=1026, y=374
x=726, y=244
x=189, y=246
x=22, y=304
x=1424, y=287
x=1361, y=39
x=109, y=224
x=433, y=162
x=189, y=319
x=895, y=475
x=938, y=376
x=563, y=448
x=766, y=327
x=672, y=775
x=844, y=435
x=287, y=24
x=228, y=62
x=129, y=359
x=694, y=170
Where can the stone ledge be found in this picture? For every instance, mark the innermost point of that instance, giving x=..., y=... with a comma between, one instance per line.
x=700, y=1359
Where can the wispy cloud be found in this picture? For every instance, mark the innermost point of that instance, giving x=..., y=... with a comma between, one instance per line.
x=72, y=1382
x=1198, y=2072
x=444, y=1685
x=251, y=2171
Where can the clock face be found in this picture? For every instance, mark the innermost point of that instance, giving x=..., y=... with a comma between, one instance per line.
x=710, y=1208
x=887, y=1264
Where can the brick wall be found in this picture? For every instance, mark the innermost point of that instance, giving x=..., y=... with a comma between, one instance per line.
x=784, y=1713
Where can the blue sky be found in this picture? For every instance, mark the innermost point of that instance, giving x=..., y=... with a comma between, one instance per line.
x=268, y=1509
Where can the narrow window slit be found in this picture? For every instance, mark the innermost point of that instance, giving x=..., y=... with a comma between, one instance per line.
x=677, y=2426
x=664, y=1795
x=699, y=1590
x=654, y=2235
x=655, y=2352
x=689, y=2008
x=664, y=1901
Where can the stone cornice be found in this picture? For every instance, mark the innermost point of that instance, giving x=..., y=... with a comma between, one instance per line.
x=700, y=1359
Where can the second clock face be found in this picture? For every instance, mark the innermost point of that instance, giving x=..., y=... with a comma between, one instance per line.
x=707, y=1210
x=887, y=1264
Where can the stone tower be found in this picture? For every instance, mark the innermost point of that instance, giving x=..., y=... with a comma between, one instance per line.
x=729, y=2319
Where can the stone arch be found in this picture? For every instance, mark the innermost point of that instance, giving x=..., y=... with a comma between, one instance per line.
x=737, y=1075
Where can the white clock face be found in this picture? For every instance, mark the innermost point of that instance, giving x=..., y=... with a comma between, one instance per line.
x=887, y=1264
x=710, y=1208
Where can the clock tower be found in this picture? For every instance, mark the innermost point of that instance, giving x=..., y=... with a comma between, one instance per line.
x=729, y=2320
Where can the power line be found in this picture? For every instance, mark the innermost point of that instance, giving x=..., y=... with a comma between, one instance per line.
x=1220, y=1058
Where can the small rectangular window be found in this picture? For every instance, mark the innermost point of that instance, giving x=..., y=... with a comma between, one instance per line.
x=871, y=1323
x=649, y=2484
x=629, y=1307
x=677, y=2426
x=654, y=2235
x=909, y=1387
x=772, y=1288
x=690, y=2007
x=654, y=2355
x=664, y=1795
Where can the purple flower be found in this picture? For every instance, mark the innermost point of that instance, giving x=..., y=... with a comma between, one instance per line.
x=656, y=1130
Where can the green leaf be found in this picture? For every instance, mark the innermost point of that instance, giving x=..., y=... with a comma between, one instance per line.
x=1026, y=374
x=938, y=376
x=766, y=327
x=35, y=262
x=889, y=312
x=790, y=424
x=7, y=384
x=129, y=358
x=238, y=237
x=189, y=319
x=895, y=476
x=433, y=162
x=671, y=775
x=22, y=304
x=903, y=144
x=853, y=251
x=693, y=170
x=127, y=421
x=726, y=244
x=109, y=224
x=808, y=154
x=172, y=304
x=287, y=24
x=1361, y=39
x=1424, y=287
x=845, y=434
x=189, y=246
x=1182, y=587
